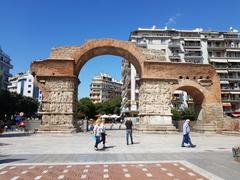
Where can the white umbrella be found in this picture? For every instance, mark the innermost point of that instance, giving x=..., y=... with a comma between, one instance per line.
x=105, y=116
x=114, y=116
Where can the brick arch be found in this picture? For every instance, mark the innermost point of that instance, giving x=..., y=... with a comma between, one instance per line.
x=99, y=47
x=197, y=95
x=206, y=100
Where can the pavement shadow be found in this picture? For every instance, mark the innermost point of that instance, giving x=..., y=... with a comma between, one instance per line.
x=136, y=142
x=2, y=161
x=20, y=134
x=106, y=148
x=3, y=144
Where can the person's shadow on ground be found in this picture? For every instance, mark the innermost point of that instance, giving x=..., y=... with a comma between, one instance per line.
x=106, y=148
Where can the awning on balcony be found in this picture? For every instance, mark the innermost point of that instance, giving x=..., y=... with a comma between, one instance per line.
x=225, y=92
x=192, y=39
x=234, y=60
x=222, y=71
x=218, y=60
x=235, y=92
x=233, y=50
x=224, y=82
x=234, y=70
x=188, y=49
x=227, y=104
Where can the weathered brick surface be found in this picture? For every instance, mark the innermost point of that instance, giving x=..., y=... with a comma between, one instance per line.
x=167, y=171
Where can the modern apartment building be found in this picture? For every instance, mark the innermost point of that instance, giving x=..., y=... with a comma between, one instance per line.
x=5, y=66
x=221, y=49
x=23, y=83
x=103, y=87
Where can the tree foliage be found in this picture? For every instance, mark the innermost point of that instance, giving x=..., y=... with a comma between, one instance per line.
x=111, y=106
x=11, y=103
x=178, y=114
x=87, y=109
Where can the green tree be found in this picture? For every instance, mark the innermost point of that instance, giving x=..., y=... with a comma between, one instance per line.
x=188, y=113
x=10, y=103
x=178, y=114
x=111, y=106
x=86, y=108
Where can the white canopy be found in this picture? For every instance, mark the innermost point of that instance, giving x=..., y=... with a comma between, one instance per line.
x=105, y=116
x=114, y=116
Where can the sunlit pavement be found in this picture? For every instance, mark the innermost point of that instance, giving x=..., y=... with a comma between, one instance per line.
x=73, y=157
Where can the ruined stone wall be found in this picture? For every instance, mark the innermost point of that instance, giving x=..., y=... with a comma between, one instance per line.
x=154, y=98
x=153, y=55
x=59, y=106
x=63, y=52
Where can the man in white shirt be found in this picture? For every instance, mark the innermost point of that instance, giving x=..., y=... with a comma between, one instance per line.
x=186, y=134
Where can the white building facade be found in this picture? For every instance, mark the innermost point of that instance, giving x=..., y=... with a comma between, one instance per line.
x=5, y=66
x=23, y=83
x=103, y=87
x=221, y=49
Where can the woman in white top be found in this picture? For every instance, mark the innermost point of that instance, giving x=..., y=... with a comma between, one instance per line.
x=97, y=133
x=103, y=132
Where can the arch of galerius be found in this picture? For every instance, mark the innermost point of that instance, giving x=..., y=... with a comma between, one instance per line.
x=57, y=78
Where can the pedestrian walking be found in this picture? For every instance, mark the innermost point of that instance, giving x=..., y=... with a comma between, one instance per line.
x=97, y=133
x=186, y=135
x=103, y=132
x=129, y=125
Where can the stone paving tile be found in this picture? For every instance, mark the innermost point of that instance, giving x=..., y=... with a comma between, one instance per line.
x=153, y=171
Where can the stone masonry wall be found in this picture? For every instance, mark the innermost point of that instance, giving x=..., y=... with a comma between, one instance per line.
x=59, y=107
x=155, y=96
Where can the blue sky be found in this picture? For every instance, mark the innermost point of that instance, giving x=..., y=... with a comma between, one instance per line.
x=30, y=28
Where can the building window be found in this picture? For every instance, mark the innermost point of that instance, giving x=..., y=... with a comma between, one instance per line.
x=29, y=80
x=29, y=85
x=29, y=92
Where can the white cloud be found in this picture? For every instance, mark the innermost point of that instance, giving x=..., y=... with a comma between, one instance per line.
x=173, y=20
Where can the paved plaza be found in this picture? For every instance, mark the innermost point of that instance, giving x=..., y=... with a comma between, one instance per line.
x=152, y=156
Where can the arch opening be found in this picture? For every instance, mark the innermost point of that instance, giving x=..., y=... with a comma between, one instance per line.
x=188, y=102
x=107, y=93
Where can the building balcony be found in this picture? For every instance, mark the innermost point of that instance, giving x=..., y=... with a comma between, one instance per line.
x=232, y=79
x=233, y=58
x=7, y=64
x=231, y=36
x=125, y=92
x=221, y=59
x=217, y=47
x=174, y=57
x=196, y=56
x=125, y=85
x=174, y=45
x=228, y=88
x=231, y=100
x=142, y=45
x=126, y=69
x=193, y=46
x=125, y=103
x=7, y=74
x=232, y=48
x=220, y=67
